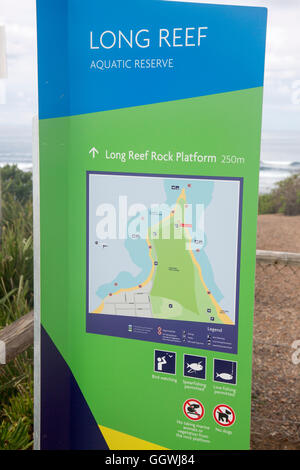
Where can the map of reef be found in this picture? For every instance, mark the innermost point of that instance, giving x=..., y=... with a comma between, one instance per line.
x=175, y=275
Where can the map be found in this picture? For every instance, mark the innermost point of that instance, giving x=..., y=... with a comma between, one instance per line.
x=163, y=247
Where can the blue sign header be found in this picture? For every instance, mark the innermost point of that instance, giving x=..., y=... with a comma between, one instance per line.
x=217, y=52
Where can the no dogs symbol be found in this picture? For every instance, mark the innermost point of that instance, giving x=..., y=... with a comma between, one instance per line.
x=224, y=415
x=193, y=409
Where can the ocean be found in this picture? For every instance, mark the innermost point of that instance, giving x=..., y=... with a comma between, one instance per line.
x=16, y=147
x=280, y=154
x=280, y=158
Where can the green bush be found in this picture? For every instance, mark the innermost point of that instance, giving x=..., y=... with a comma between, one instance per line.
x=16, y=299
x=16, y=254
x=266, y=204
x=284, y=199
x=16, y=183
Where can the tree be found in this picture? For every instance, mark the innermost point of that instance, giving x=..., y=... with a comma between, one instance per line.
x=16, y=184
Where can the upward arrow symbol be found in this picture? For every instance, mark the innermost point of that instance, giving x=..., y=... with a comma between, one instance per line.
x=94, y=151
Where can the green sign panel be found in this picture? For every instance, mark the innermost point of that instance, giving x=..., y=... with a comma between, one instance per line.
x=149, y=124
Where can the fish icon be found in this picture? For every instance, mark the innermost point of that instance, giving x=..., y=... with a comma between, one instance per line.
x=194, y=367
x=225, y=376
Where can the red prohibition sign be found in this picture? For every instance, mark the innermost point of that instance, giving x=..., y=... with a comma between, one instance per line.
x=224, y=415
x=193, y=409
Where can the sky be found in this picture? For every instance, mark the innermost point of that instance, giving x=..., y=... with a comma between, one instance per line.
x=282, y=80
x=18, y=16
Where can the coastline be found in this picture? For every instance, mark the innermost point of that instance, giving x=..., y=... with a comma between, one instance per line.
x=270, y=172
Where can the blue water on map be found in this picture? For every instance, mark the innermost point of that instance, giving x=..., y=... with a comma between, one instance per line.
x=208, y=274
x=197, y=193
x=139, y=253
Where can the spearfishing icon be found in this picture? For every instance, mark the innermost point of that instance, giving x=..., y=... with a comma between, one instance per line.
x=194, y=366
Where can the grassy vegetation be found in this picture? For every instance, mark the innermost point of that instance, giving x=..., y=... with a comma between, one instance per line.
x=284, y=199
x=16, y=299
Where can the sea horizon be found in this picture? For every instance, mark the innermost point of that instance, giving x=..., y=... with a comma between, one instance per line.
x=280, y=153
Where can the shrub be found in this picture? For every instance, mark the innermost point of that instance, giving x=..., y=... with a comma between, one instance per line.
x=284, y=199
x=16, y=299
x=16, y=183
x=266, y=204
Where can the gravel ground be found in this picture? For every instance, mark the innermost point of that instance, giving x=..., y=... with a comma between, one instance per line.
x=276, y=380
x=278, y=233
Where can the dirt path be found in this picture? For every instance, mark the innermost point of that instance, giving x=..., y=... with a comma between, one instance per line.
x=278, y=233
x=276, y=379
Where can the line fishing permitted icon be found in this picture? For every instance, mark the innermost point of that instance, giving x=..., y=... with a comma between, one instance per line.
x=193, y=409
x=224, y=415
x=225, y=371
